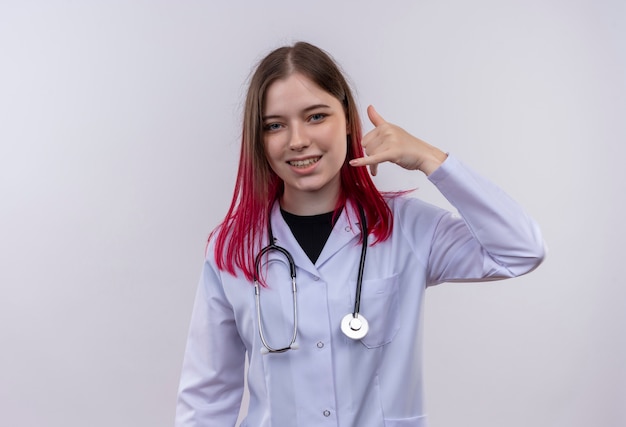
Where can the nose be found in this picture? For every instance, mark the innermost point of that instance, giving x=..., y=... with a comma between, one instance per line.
x=298, y=139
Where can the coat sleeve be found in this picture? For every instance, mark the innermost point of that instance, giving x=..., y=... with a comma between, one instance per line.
x=212, y=378
x=492, y=237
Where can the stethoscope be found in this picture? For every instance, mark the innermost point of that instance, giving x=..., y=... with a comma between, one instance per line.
x=353, y=325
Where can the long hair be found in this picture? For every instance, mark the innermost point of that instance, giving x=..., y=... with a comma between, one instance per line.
x=241, y=233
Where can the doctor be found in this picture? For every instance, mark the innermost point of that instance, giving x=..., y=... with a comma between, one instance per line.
x=303, y=206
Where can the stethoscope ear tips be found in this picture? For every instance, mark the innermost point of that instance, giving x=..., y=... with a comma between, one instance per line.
x=294, y=346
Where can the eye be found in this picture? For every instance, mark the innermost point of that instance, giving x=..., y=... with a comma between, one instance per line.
x=270, y=127
x=317, y=117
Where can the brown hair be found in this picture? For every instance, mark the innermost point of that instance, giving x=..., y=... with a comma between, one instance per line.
x=258, y=186
x=302, y=58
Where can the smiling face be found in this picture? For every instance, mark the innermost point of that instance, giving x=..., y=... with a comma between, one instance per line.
x=304, y=134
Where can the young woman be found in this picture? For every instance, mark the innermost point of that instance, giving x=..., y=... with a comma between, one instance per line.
x=318, y=279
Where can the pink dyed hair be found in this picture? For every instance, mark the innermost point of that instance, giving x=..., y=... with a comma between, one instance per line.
x=242, y=232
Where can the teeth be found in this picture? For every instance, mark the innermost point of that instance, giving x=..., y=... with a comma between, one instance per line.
x=304, y=163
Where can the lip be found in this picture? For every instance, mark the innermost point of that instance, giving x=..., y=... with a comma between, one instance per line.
x=304, y=164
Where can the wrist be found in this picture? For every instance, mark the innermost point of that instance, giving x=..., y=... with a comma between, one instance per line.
x=433, y=159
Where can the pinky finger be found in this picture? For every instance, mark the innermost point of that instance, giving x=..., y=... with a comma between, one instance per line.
x=363, y=161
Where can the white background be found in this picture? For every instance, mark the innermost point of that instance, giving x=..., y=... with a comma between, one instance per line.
x=119, y=136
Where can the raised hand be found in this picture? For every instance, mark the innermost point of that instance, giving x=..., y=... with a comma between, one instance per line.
x=390, y=143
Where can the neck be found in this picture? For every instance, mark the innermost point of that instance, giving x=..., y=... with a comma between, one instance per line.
x=309, y=203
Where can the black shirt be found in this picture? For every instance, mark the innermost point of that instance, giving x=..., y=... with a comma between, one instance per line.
x=311, y=232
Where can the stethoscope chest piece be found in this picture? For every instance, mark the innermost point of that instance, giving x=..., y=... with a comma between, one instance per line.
x=354, y=326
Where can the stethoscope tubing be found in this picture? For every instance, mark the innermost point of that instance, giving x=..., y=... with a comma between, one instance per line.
x=359, y=279
x=351, y=332
x=294, y=289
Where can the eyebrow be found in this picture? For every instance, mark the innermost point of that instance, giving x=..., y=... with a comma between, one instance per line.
x=306, y=110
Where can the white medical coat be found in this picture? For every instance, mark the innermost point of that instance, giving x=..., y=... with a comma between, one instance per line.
x=332, y=380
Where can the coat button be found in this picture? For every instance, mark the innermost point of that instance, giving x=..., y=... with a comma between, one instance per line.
x=320, y=344
x=327, y=413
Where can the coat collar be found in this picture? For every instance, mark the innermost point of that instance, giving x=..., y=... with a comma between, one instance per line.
x=346, y=229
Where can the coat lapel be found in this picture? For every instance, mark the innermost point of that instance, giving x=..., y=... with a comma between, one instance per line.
x=346, y=231
x=284, y=237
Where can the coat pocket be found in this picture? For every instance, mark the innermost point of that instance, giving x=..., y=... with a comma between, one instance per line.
x=407, y=422
x=380, y=306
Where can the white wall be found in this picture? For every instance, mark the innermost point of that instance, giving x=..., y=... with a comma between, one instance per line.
x=119, y=127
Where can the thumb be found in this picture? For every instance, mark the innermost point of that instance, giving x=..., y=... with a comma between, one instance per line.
x=374, y=117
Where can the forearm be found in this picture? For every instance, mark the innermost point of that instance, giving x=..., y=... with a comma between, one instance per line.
x=501, y=228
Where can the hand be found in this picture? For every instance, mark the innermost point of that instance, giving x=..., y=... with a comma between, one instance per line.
x=390, y=143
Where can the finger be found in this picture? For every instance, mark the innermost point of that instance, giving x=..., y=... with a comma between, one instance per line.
x=374, y=117
x=370, y=140
x=372, y=161
x=365, y=161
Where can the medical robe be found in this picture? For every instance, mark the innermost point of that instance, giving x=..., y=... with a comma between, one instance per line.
x=331, y=380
